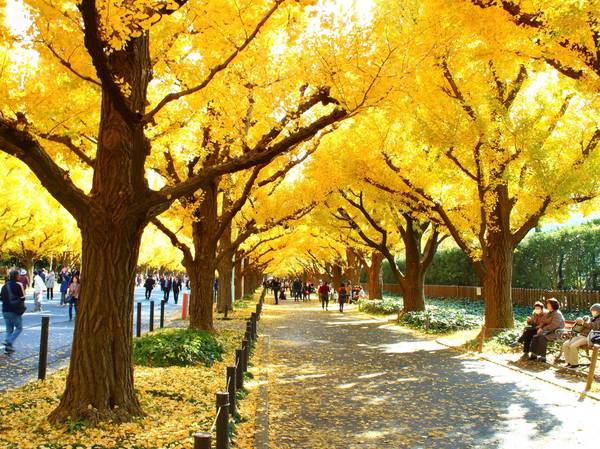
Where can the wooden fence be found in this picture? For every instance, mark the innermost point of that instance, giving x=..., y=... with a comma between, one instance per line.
x=569, y=299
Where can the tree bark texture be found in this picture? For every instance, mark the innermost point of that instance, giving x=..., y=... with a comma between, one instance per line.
x=375, y=277
x=101, y=370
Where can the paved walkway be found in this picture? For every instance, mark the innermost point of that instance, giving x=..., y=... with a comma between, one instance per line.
x=350, y=381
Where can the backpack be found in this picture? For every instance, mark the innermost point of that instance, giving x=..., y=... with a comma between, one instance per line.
x=15, y=303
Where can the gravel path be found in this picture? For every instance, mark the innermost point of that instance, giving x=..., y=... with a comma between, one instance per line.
x=350, y=381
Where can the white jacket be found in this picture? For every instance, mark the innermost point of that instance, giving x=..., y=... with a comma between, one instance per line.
x=38, y=284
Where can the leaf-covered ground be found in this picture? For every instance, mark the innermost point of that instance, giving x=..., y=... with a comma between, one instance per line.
x=178, y=401
x=352, y=381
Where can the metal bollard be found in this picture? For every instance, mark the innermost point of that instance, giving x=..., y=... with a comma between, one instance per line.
x=245, y=353
x=162, y=314
x=253, y=322
x=202, y=440
x=43, y=360
x=151, y=324
x=239, y=374
x=222, y=420
x=138, y=324
x=231, y=381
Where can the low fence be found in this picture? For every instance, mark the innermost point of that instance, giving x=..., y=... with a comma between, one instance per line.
x=569, y=299
x=226, y=400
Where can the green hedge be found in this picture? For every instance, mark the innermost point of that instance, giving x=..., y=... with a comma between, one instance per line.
x=177, y=347
x=564, y=259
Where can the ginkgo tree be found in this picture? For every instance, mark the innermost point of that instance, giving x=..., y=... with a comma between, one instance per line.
x=127, y=66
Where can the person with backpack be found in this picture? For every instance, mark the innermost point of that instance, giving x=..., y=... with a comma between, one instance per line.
x=343, y=296
x=13, y=308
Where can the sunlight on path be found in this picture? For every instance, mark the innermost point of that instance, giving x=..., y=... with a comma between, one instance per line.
x=350, y=381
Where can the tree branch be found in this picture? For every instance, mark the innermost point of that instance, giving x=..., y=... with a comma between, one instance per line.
x=187, y=252
x=24, y=146
x=215, y=70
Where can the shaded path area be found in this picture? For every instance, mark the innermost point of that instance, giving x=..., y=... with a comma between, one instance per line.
x=350, y=381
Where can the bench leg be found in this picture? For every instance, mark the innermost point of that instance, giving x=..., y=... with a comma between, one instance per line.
x=590, y=378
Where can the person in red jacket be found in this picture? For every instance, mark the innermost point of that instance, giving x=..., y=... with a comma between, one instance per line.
x=324, y=295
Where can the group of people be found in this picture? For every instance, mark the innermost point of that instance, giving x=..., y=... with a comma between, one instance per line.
x=13, y=293
x=328, y=293
x=168, y=284
x=545, y=324
x=297, y=289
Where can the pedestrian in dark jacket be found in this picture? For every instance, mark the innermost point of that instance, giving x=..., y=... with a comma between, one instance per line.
x=65, y=281
x=343, y=296
x=532, y=323
x=12, y=291
x=176, y=288
x=149, y=285
x=167, y=289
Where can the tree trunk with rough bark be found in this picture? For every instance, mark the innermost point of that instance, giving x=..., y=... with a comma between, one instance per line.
x=497, y=283
x=101, y=369
x=375, y=277
x=225, y=297
x=100, y=381
x=336, y=279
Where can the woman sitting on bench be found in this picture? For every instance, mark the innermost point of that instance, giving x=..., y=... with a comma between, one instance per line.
x=587, y=324
x=532, y=324
x=550, y=322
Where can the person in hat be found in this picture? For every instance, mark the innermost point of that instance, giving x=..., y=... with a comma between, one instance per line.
x=571, y=346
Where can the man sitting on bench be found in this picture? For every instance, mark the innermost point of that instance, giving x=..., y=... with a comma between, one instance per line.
x=586, y=324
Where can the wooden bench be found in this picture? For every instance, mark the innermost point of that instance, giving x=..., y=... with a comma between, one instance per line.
x=567, y=332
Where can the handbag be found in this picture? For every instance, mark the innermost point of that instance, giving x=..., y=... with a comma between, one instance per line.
x=595, y=337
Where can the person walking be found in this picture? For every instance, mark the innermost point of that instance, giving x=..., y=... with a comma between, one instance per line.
x=50, y=280
x=276, y=286
x=571, y=346
x=13, y=307
x=23, y=280
x=64, y=280
x=38, y=288
x=167, y=289
x=149, y=285
x=73, y=295
x=324, y=295
x=176, y=288
x=342, y=296
x=215, y=289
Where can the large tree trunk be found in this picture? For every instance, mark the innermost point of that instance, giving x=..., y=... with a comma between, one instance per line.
x=101, y=370
x=201, y=295
x=225, y=301
x=337, y=276
x=238, y=277
x=497, y=288
x=100, y=380
x=375, y=277
x=496, y=275
x=414, y=289
x=202, y=273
